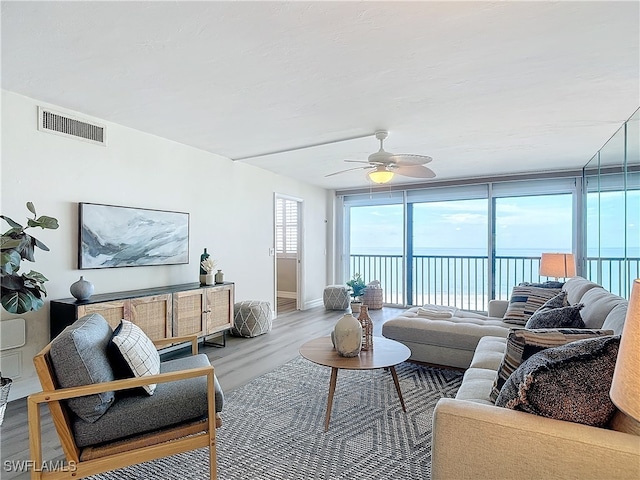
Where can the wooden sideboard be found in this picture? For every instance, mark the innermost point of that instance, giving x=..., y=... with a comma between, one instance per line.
x=160, y=312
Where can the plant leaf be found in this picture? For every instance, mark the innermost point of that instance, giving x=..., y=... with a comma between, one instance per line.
x=12, y=282
x=40, y=245
x=35, y=276
x=36, y=303
x=17, y=302
x=44, y=222
x=13, y=223
x=6, y=242
x=26, y=248
x=31, y=208
x=9, y=262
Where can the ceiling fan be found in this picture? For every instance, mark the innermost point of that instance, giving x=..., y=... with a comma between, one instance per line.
x=383, y=165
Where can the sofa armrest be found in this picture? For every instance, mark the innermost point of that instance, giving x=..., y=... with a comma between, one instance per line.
x=477, y=441
x=497, y=308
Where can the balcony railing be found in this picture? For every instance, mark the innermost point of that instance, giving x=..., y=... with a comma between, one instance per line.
x=463, y=281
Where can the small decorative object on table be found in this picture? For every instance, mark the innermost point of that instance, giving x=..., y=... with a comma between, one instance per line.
x=203, y=272
x=82, y=289
x=367, y=328
x=219, y=277
x=347, y=336
x=373, y=295
x=357, y=287
x=208, y=265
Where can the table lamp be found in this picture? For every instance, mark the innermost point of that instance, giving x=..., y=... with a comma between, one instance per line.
x=625, y=387
x=557, y=265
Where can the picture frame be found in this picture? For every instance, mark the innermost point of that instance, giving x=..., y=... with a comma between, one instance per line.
x=112, y=236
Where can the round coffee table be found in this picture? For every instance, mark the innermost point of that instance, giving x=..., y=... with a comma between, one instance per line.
x=385, y=353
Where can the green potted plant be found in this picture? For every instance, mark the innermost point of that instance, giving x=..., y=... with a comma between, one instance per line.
x=357, y=287
x=20, y=292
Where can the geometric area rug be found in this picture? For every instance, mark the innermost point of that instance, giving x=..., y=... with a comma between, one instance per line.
x=273, y=427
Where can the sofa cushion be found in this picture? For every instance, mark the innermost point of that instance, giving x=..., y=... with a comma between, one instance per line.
x=570, y=382
x=489, y=353
x=171, y=404
x=576, y=287
x=598, y=302
x=523, y=343
x=615, y=319
x=138, y=351
x=564, y=317
x=79, y=357
x=476, y=386
x=460, y=332
x=525, y=300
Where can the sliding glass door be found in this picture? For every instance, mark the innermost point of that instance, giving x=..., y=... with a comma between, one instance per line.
x=525, y=227
x=447, y=253
x=376, y=247
x=458, y=246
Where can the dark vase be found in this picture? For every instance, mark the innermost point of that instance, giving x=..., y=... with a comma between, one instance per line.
x=203, y=257
x=82, y=289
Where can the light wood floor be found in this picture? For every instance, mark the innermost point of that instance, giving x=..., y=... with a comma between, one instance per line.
x=242, y=360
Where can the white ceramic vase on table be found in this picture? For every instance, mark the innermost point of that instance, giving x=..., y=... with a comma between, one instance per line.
x=347, y=336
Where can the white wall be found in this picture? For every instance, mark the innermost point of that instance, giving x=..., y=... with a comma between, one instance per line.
x=230, y=206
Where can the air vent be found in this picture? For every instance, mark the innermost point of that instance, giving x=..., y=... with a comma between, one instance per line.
x=68, y=126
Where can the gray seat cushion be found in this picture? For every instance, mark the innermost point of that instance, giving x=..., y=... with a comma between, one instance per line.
x=134, y=413
x=79, y=357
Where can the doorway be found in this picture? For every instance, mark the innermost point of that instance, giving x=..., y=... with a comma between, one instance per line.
x=288, y=253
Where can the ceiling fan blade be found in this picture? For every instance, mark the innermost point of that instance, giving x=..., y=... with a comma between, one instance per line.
x=347, y=170
x=409, y=159
x=416, y=171
x=355, y=161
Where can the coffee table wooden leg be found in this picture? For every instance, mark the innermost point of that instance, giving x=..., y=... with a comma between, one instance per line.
x=397, y=383
x=332, y=388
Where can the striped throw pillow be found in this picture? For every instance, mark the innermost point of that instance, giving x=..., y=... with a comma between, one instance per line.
x=525, y=301
x=523, y=343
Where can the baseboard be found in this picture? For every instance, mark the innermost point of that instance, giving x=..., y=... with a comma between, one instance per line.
x=312, y=304
x=282, y=294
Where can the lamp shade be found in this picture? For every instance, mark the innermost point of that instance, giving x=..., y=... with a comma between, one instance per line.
x=381, y=175
x=625, y=388
x=557, y=265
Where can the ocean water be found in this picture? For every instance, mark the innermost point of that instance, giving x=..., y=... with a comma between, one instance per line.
x=463, y=282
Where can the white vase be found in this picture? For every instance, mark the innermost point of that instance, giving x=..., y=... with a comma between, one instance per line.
x=208, y=279
x=219, y=277
x=347, y=336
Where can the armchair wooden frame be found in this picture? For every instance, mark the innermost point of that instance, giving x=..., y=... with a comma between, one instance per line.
x=83, y=462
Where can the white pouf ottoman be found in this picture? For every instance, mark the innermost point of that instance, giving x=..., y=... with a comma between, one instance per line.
x=251, y=318
x=336, y=297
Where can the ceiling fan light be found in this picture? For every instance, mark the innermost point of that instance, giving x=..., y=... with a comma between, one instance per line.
x=380, y=175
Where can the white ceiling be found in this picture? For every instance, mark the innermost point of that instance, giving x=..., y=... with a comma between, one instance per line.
x=485, y=88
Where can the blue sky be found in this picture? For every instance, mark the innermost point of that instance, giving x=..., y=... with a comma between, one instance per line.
x=524, y=226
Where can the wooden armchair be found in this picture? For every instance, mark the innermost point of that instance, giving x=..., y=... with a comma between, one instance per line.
x=90, y=460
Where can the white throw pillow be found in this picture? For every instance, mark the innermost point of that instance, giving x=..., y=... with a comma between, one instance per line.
x=139, y=352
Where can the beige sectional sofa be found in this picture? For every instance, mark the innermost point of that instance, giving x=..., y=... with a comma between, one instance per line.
x=474, y=439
